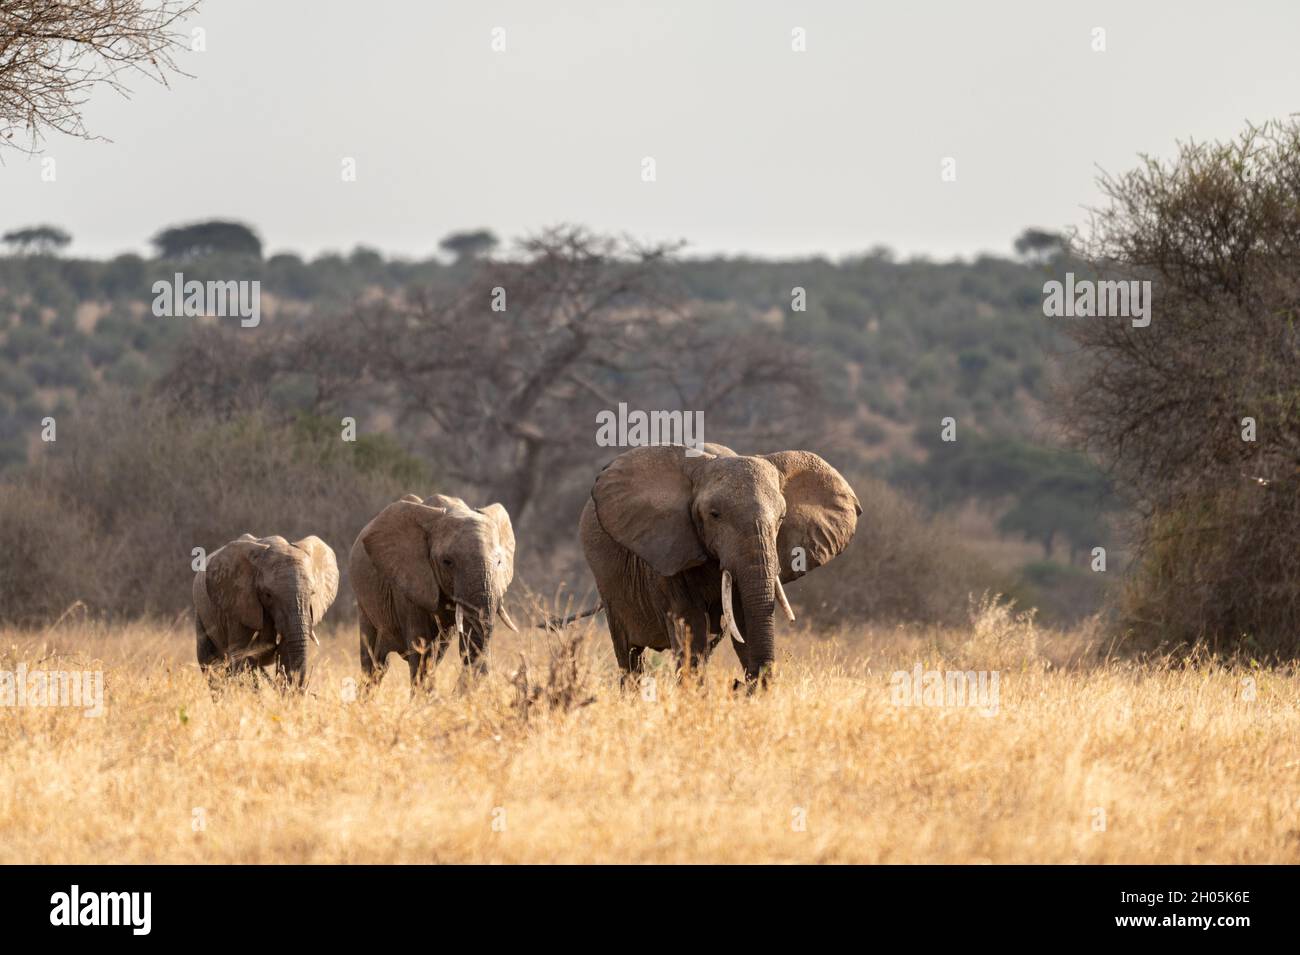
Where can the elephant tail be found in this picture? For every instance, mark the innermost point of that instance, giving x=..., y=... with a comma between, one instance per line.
x=555, y=622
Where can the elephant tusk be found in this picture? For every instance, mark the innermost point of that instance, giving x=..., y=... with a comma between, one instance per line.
x=315, y=639
x=505, y=618
x=785, y=603
x=460, y=619
x=728, y=618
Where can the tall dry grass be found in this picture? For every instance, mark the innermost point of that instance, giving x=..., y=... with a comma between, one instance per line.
x=1088, y=759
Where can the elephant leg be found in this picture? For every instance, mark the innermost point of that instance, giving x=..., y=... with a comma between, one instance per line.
x=701, y=644
x=630, y=657
x=245, y=669
x=622, y=651
x=421, y=659
x=209, y=657
x=373, y=672
x=206, y=650
x=232, y=667
x=425, y=652
x=374, y=659
x=688, y=629
x=421, y=642
x=686, y=619
x=440, y=644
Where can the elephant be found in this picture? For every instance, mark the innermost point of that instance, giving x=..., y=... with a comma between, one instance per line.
x=667, y=531
x=258, y=601
x=422, y=570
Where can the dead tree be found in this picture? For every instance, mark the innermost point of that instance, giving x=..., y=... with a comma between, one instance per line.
x=583, y=323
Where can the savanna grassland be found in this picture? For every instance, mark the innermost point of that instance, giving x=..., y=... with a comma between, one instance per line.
x=1088, y=758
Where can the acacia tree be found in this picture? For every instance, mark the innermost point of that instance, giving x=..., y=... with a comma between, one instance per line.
x=586, y=322
x=1039, y=245
x=469, y=245
x=205, y=238
x=52, y=55
x=41, y=239
x=1198, y=414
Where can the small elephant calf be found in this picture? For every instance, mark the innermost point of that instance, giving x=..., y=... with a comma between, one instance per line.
x=258, y=602
x=424, y=570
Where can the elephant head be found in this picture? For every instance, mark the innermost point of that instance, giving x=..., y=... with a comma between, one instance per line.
x=269, y=583
x=764, y=519
x=443, y=555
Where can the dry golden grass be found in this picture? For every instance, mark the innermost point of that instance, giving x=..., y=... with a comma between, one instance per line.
x=1188, y=764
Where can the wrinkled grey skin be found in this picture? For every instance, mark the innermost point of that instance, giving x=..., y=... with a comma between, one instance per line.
x=258, y=603
x=662, y=526
x=412, y=565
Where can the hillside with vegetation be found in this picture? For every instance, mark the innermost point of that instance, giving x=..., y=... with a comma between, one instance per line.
x=880, y=351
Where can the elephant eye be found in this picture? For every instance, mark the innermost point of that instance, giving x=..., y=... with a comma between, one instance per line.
x=446, y=561
x=714, y=514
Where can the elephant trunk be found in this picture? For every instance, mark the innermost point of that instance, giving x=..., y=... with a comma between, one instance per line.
x=758, y=582
x=475, y=598
x=477, y=611
x=479, y=606
x=295, y=634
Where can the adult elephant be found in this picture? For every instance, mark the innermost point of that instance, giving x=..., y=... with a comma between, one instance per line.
x=423, y=570
x=258, y=602
x=666, y=534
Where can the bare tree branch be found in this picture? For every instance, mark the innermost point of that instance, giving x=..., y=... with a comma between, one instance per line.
x=53, y=54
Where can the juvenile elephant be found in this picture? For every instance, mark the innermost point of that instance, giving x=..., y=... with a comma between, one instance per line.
x=666, y=534
x=423, y=570
x=259, y=600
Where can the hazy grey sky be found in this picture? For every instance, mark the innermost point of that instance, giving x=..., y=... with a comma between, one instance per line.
x=758, y=149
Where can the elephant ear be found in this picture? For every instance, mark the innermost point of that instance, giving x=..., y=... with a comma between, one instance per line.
x=411, y=499
x=643, y=501
x=324, y=576
x=397, y=540
x=231, y=581
x=500, y=518
x=821, y=511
